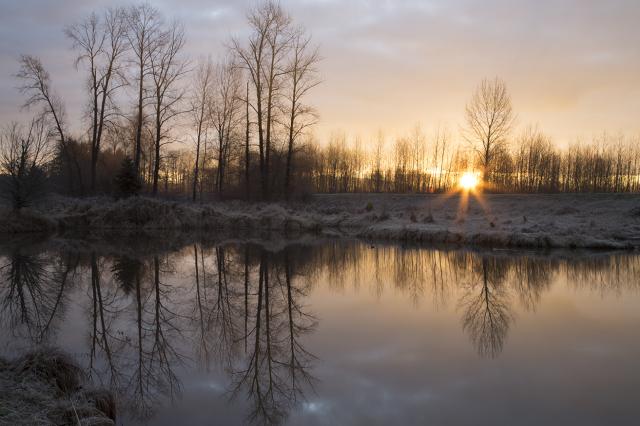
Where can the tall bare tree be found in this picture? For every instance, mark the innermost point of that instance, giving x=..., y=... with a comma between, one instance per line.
x=303, y=77
x=377, y=160
x=167, y=69
x=36, y=85
x=490, y=118
x=101, y=45
x=144, y=32
x=418, y=149
x=225, y=115
x=247, y=138
x=440, y=140
x=203, y=86
x=264, y=58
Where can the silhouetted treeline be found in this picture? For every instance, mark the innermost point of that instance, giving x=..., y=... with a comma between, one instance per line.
x=240, y=126
x=533, y=164
x=530, y=164
x=233, y=126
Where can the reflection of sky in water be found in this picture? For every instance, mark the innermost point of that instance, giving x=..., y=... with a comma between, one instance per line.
x=383, y=335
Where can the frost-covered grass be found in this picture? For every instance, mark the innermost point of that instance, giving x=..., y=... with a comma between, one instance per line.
x=45, y=388
x=540, y=220
x=502, y=220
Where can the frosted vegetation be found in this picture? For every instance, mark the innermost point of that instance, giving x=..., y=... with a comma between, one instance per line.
x=47, y=389
x=495, y=220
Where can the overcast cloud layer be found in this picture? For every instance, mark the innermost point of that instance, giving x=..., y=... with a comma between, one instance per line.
x=572, y=66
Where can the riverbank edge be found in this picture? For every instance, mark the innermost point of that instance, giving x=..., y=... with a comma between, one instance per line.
x=141, y=214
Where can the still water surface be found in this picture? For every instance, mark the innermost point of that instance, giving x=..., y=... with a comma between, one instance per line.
x=336, y=332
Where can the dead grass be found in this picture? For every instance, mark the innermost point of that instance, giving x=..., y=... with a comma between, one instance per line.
x=45, y=388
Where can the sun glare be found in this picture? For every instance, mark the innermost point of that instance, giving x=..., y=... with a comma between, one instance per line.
x=469, y=181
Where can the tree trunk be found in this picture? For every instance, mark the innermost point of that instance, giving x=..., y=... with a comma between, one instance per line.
x=288, y=171
x=94, y=139
x=138, y=148
x=221, y=166
x=246, y=149
x=197, y=165
x=156, y=165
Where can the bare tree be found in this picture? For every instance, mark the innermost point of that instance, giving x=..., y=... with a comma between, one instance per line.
x=101, y=45
x=402, y=153
x=247, y=136
x=377, y=168
x=489, y=117
x=144, y=22
x=441, y=140
x=303, y=77
x=22, y=156
x=36, y=85
x=264, y=60
x=167, y=69
x=225, y=114
x=200, y=104
x=418, y=149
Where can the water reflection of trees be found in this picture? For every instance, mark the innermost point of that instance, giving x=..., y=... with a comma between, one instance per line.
x=484, y=285
x=276, y=369
x=245, y=313
x=485, y=303
x=33, y=292
x=243, y=309
x=137, y=329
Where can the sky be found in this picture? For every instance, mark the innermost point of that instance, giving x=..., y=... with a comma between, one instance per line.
x=572, y=66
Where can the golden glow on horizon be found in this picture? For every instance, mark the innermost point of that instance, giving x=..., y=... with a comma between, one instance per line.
x=469, y=181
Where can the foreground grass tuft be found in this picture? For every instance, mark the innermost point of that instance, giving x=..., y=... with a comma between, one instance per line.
x=45, y=388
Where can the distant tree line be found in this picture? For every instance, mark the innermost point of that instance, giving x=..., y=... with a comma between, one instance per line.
x=158, y=122
x=532, y=163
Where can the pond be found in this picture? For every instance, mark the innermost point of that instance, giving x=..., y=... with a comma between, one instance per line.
x=322, y=332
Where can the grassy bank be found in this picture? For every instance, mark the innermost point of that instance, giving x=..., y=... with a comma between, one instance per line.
x=606, y=221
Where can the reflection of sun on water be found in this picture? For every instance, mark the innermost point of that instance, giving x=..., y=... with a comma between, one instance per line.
x=469, y=181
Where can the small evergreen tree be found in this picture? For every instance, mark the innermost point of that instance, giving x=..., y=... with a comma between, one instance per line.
x=126, y=180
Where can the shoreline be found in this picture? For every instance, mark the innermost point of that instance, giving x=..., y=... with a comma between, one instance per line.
x=566, y=221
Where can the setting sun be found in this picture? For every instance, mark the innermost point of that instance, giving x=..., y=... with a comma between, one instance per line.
x=469, y=181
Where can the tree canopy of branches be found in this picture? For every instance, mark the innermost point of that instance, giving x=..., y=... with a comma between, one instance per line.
x=249, y=117
x=302, y=75
x=22, y=155
x=101, y=45
x=36, y=86
x=489, y=116
x=143, y=34
x=167, y=69
x=264, y=58
x=203, y=85
x=225, y=113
